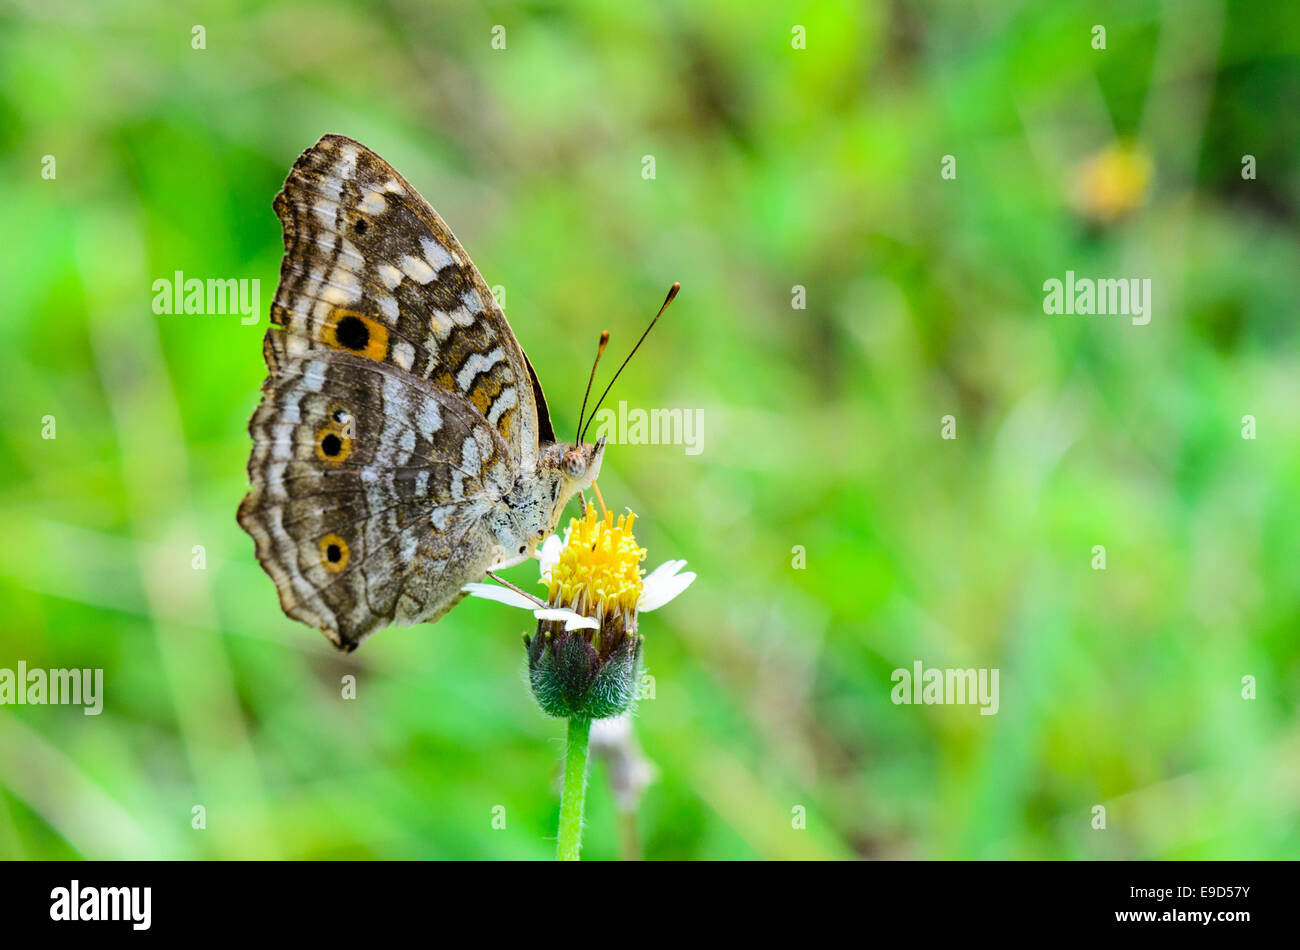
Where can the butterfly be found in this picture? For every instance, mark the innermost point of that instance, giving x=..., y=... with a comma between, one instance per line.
x=403, y=446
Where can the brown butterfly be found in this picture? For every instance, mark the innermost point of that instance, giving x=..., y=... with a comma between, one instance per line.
x=402, y=447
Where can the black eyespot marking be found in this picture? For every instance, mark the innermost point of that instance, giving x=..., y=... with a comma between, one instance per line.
x=334, y=551
x=331, y=445
x=352, y=333
x=340, y=416
x=523, y=548
x=360, y=227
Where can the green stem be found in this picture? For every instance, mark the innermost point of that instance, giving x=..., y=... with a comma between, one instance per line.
x=575, y=790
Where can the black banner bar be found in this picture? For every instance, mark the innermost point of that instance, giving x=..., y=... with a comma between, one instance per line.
x=1221, y=900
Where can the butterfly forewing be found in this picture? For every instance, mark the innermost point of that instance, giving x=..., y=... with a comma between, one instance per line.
x=370, y=268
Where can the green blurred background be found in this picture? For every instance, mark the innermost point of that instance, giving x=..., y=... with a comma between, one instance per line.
x=776, y=167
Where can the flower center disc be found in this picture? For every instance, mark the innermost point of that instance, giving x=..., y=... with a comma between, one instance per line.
x=599, y=565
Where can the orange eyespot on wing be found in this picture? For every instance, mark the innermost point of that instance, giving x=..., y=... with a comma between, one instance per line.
x=333, y=443
x=334, y=553
x=357, y=334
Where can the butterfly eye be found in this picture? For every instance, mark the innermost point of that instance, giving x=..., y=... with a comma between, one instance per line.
x=574, y=465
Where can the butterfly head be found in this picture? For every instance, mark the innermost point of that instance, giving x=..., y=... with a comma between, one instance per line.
x=565, y=470
x=578, y=465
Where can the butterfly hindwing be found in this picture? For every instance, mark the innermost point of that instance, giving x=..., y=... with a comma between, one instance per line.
x=369, y=492
x=371, y=269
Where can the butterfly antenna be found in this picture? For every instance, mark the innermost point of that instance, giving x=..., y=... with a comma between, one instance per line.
x=672, y=292
x=600, y=351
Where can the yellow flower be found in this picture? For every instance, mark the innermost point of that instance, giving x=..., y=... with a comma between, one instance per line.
x=584, y=661
x=1113, y=182
x=593, y=575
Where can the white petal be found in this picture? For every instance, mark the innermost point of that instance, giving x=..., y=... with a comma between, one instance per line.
x=663, y=584
x=666, y=569
x=548, y=555
x=572, y=620
x=500, y=594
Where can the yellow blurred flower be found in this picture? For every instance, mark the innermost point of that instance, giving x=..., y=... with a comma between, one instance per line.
x=1112, y=183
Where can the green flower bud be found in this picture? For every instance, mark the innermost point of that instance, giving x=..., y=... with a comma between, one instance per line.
x=587, y=673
